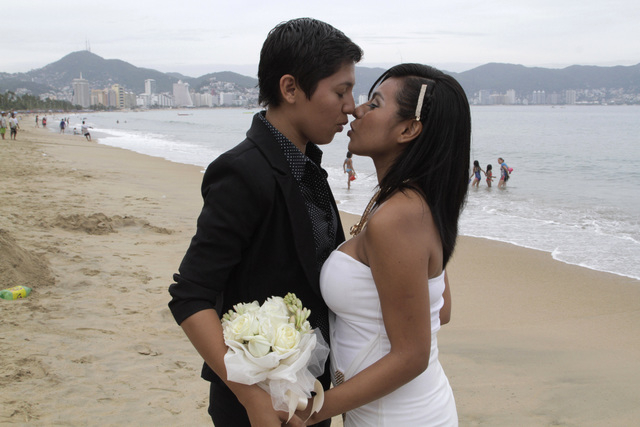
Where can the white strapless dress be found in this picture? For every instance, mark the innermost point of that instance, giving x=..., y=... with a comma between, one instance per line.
x=358, y=339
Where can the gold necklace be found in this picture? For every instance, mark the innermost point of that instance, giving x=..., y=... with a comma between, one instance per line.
x=358, y=226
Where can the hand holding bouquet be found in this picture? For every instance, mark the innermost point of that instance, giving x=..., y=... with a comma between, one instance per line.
x=274, y=347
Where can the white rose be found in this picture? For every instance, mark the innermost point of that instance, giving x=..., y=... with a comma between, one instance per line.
x=275, y=310
x=274, y=305
x=259, y=346
x=267, y=327
x=242, y=327
x=287, y=339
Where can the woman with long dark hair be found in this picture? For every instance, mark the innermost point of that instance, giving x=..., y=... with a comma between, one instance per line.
x=387, y=287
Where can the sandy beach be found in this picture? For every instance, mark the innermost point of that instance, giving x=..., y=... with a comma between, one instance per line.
x=98, y=231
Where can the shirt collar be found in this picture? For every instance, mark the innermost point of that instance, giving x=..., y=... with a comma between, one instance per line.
x=295, y=158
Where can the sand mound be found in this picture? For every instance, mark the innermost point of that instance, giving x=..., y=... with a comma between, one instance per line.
x=19, y=266
x=99, y=223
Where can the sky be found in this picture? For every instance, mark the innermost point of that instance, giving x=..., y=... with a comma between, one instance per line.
x=196, y=37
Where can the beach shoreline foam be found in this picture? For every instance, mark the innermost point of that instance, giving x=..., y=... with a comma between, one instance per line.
x=98, y=231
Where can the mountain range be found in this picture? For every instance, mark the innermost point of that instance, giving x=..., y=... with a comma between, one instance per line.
x=494, y=77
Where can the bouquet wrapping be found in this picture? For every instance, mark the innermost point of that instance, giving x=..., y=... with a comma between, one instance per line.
x=274, y=347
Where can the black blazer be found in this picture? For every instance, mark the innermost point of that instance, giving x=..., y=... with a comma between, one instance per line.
x=254, y=237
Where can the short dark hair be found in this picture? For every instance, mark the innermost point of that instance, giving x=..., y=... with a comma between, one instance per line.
x=309, y=50
x=436, y=162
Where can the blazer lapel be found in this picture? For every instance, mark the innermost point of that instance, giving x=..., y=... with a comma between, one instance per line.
x=300, y=222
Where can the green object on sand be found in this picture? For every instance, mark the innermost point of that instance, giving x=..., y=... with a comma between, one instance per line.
x=15, y=293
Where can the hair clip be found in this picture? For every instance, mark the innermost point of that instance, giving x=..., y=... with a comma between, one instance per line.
x=423, y=90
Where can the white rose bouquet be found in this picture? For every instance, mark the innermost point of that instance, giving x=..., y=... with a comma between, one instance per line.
x=274, y=347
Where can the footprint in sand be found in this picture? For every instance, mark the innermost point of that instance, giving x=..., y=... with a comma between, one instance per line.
x=145, y=350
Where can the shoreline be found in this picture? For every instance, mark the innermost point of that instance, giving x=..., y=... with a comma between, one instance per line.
x=581, y=252
x=98, y=231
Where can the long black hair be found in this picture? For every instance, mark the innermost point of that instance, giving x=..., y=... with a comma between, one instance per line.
x=436, y=162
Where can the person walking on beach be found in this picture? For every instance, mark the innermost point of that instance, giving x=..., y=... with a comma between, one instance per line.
x=504, y=173
x=387, y=287
x=489, y=175
x=476, y=174
x=14, y=125
x=347, y=167
x=44, y=122
x=85, y=131
x=37, y=123
x=269, y=218
x=63, y=124
x=3, y=124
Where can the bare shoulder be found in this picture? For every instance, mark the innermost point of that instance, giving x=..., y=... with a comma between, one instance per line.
x=402, y=224
x=401, y=236
x=404, y=211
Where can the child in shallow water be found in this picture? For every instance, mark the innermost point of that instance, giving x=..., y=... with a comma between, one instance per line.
x=476, y=173
x=489, y=175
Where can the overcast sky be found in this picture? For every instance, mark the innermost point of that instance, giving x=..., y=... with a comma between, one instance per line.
x=197, y=37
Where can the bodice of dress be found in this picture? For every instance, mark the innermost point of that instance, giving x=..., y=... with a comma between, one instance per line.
x=349, y=290
x=359, y=339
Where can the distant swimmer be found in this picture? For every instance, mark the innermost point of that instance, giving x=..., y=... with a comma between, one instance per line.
x=347, y=167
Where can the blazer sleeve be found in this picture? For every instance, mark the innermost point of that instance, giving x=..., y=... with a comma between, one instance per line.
x=235, y=194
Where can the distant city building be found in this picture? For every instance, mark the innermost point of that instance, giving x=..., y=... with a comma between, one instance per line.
x=362, y=99
x=99, y=97
x=81, y=92
x=129, y=100
x=144, y=100
x=553, y=99
x=539, y=97
x=181, y=96
x=119, y=94
x=163, y=100
x=484, y=97
x=150, y=86
x=204, y=100
x=498, y=99
x=112, y=98
x=570, y=97
x=228, y=99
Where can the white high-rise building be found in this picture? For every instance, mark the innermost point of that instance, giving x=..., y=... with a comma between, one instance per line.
x=539, y=97
x=484, y=97
x=181, y=96
x=570, y=97
x=150, y=86
x=81, y=92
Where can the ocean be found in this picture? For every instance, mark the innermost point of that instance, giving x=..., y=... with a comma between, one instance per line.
x=573, y=191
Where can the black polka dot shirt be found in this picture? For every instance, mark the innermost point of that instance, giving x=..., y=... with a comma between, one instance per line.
x=312, y=181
